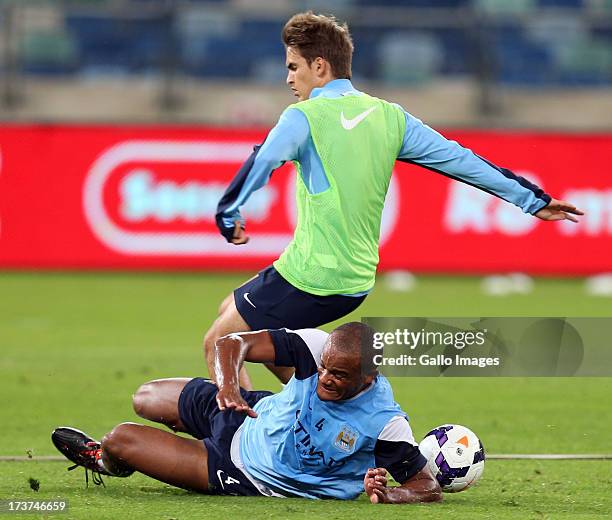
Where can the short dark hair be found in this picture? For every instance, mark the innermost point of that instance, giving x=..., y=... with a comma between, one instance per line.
x=319, y=35
x=357, y=339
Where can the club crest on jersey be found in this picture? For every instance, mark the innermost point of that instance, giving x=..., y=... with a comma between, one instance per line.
x=346, y=439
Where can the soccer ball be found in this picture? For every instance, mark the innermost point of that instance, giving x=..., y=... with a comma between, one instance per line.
x=455, y=456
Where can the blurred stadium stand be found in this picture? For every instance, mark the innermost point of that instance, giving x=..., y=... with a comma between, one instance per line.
x=172, y=56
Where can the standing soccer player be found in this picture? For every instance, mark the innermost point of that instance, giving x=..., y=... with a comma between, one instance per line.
x=344, y=144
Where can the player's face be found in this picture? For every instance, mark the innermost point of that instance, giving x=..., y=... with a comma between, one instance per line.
x=340, y=375
x=302, y=77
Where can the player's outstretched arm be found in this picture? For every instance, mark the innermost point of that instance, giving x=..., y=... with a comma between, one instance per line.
x=229, y=354
x=422, y=487
x=559, y=210
x=424, y=146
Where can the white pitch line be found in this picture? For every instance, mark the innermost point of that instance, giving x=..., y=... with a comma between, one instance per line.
x=22, y=458
x=493, y=456
x=549, y=456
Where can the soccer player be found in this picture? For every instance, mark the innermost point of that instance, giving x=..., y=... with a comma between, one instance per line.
x=334, y=430
x=344, y=144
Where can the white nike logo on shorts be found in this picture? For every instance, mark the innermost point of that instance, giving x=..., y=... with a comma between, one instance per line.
x=220, y=477
x=229, y=480
x=349, y=124
x=246, y=297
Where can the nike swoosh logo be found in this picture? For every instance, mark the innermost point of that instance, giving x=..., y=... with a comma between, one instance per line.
x=246, y=297
x=219, y=476
x=349, y=124
x=230, y=480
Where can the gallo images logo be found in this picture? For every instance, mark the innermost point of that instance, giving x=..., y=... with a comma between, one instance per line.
x=153, y=198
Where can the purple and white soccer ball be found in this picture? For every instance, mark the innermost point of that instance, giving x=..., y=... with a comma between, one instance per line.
x=455, y=456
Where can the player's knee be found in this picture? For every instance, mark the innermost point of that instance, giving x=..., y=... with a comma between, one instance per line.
x=212, y=334
x=119, y=440
x=209, y=339
x=142, y=399
x=225, y=303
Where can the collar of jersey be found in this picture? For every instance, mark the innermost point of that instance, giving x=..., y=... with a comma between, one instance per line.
x=335, y=88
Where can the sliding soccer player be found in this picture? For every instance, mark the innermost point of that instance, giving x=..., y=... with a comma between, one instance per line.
x=334, y=431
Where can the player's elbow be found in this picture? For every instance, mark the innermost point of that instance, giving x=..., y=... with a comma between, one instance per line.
x=424, y=488
x=248, y=346
x=433, y=493
x=430, y=490
x=268, y=160
x=232, y=340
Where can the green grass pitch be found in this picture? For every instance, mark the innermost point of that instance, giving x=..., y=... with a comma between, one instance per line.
x=74, y=347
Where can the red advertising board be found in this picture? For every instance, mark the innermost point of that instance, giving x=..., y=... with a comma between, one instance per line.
x=143, y=197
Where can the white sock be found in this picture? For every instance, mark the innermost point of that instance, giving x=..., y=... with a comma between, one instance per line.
x=101, y=465
x=112, y=473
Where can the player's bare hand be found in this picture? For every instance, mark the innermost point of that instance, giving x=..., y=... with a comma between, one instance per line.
x=559, y=210
x=240, y=236
x=375, y=485
x=230, y=399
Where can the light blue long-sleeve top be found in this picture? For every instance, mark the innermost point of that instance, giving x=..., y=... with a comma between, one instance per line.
x=291, y=140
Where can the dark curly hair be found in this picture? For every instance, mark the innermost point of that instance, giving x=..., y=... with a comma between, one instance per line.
x=356, y=339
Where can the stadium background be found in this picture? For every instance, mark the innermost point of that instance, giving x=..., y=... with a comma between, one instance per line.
x=122, y=120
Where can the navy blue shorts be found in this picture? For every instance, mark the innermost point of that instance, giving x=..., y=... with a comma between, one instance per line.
x=268, y=301
x=202, y=418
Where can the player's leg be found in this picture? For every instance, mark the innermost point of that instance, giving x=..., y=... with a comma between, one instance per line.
x=161, y=455
x=225, y=303
x=158, y=401
x=232, y=321
x=197, y=413
x=228, y=321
